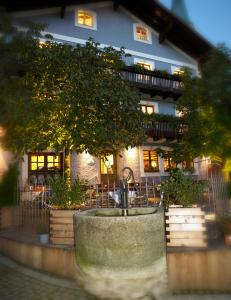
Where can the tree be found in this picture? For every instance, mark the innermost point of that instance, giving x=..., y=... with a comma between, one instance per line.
x=62, y=96
x=206, y=106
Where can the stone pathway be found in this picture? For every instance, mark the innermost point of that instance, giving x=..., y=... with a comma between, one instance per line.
x=21, y=283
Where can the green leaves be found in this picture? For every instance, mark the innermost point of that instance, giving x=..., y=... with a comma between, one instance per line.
x=181, y=189
x=69, y=97
x=67, y=195
x=206, y=106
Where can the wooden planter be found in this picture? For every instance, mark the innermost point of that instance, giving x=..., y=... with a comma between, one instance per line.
x=228, y=239
x=61, y=227
x=185, y=227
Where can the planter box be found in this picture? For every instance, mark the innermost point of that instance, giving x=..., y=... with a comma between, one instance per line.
x=186, y=227
x=228, y=240
x=9, y=217
x=61, y=227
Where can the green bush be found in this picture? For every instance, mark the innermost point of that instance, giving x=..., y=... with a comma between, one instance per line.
x=181, y=189
x=8, y=186
x=67, y=195
x=224, y=223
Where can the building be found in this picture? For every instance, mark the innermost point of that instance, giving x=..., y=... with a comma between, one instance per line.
x=157, y=39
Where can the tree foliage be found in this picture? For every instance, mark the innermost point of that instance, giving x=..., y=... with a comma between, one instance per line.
x=60, y=96
x=206, y=107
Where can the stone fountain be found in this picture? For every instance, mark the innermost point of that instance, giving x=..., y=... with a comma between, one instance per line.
x=121, y=255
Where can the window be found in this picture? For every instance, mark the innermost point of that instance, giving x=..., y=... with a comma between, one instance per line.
x=86, y=19
x=188, y=165
x=146, y=64
x=107, y=164
x=177, y=70
x=168, y=163
x=45, y=162
x=142, y=33
x=151, y=163
x=147, y=109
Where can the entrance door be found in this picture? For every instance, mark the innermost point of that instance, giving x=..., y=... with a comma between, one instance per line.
x=108, y=169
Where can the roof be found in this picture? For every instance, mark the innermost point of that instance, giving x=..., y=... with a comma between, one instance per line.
x=169, y=26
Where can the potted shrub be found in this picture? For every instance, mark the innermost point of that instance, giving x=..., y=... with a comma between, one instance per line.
x=181, y=189
x=185, y=222
x=66, y=198
x=8, y=198
x=224, y=223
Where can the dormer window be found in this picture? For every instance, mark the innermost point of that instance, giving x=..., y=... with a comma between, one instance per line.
x=85, y=18
x=142, y=33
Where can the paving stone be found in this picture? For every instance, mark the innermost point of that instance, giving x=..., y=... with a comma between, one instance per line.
x=19, y=283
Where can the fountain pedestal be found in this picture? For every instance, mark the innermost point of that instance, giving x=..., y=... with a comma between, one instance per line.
x=120, y=257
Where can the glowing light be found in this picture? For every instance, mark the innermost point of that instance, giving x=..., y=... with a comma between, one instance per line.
x=131, y=152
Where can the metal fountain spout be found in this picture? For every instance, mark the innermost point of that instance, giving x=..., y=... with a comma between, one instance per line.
x=124, y=196
x=127, y=176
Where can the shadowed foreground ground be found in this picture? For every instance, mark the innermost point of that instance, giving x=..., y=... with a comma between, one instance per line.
x=20, y=283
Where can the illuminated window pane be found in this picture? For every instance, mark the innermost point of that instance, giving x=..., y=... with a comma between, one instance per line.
x=40, y=166
x=50, y=158
x=141, y=33
x=85, y=18
x=34, y=166
x=150, y=110
x=41, y=158
x=34, y=158
x=145, y=65
x=56, y=159
x=147, y=109
x=151, y=163
x=107, y=164
x=177, y=71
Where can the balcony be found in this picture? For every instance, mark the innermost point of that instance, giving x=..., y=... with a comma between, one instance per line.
x=154, y=82
x=163, y=130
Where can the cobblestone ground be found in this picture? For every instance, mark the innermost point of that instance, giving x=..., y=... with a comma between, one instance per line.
x=20, y=283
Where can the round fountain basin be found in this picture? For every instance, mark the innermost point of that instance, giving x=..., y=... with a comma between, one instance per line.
x=120, y=257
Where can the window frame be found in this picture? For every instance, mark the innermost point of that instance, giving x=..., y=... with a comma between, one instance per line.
x=175, y=68
x=145, y=62
x=112, y=167
x=149, y=35
x=45, y=169
x=167, y=157
x=146, y=106
x=90, y=12
x=157, y=168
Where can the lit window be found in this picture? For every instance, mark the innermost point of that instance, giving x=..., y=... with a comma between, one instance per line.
x=44, y=162
x=147, y=109
x=142, y=33
x=107, y=164
x=168, y=163
x=151, y=163
x=188, y=165
x=177, y=70
x=145, y=66
x=86, y=19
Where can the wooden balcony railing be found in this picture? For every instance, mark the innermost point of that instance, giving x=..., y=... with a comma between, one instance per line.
x=161, y=130
x=153, y=80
